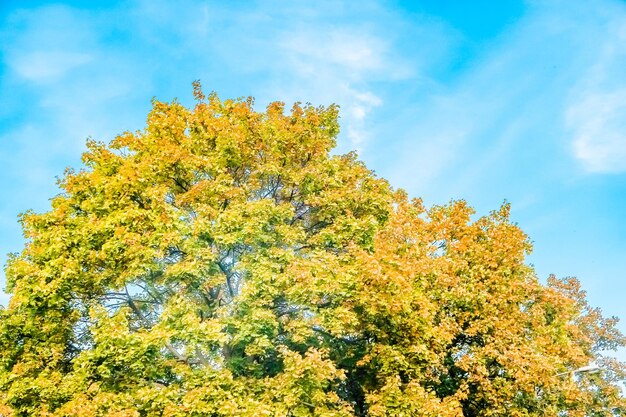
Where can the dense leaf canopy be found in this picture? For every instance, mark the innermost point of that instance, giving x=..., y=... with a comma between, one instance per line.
x=222, y=262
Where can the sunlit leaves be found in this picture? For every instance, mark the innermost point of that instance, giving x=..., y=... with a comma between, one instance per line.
x=222, y=263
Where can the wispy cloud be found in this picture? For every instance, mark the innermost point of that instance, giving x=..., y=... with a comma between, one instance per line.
x=596, y=114
x=43, y=45
x=507, y=105
x=340, y=49
x=598, y=124
x=324, y=64
x=47, y=66
x=323, y=59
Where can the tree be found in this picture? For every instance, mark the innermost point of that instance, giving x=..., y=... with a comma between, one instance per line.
x=222, y=262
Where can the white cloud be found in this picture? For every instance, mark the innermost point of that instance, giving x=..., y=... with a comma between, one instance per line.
x=596, y=113
x=327, y=64
x=598, y=123
x=351, y=63
x=353, y=50
x=47, y=66
x=45, y=44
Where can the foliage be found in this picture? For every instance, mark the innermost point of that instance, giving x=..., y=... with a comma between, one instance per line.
x=223, y=263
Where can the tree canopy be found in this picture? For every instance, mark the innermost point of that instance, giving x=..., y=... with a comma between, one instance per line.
x=223, y=262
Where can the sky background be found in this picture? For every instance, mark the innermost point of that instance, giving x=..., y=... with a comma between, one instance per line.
x=487, y=101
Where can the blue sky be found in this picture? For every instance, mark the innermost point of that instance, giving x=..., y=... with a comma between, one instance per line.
x=486, y=101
